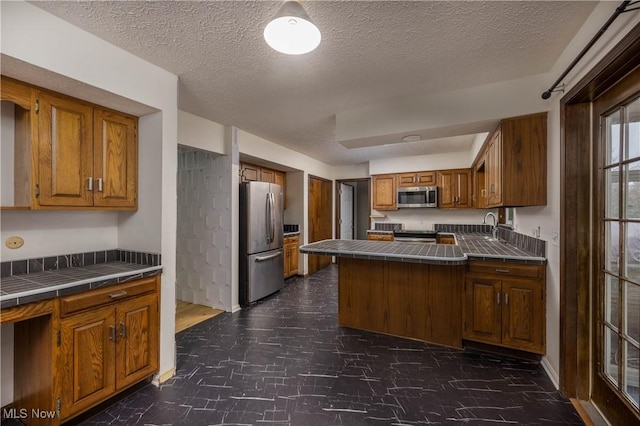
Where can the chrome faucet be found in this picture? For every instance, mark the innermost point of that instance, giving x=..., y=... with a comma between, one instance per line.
x=494, y=230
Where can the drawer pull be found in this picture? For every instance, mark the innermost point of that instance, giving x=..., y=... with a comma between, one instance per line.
x=504, y=271
x=112, y=333
x=123, y=330
x=118, y=294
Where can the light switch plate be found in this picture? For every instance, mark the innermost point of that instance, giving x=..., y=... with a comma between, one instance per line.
x=14, y=242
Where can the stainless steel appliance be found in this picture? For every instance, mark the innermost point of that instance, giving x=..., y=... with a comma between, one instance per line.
x=429, y=237
x=261, y=252
x=417, y=196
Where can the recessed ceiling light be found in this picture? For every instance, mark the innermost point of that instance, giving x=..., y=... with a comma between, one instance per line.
x=411, y=138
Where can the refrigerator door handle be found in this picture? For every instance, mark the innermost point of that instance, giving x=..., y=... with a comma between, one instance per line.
x=271, y=256
x=268, y=221
x=272, y=208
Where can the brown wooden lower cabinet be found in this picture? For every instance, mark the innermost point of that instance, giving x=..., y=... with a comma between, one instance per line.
x=107, y=349
x=505, y=305
x=291, y=255
x=74, y=352
x=414, y=300
x=380, y=237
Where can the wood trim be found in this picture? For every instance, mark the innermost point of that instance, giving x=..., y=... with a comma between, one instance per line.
x=620, y=60
x=575, y=224
x=25, y=312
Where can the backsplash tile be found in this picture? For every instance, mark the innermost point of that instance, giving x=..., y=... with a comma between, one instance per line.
x=55, y=263
x=529, y=244
x=388, y=226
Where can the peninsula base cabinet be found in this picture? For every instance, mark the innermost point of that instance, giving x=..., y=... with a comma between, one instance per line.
x=291, y=255
x=504, y=305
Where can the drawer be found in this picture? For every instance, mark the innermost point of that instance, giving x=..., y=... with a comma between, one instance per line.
x=506, y=269
x=380, y=237
x=104, y=296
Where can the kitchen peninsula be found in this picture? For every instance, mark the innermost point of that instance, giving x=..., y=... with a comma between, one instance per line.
x=480, y=289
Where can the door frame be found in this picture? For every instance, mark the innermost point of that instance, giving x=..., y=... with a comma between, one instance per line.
x=337, y=203
x=576, y=227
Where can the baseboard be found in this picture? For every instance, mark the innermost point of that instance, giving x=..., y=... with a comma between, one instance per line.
x=555, y=378
x=235, y=308
x=158, y=379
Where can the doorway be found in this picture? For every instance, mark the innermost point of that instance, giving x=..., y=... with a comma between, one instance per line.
x=320, y=223
x=600, y=223
x=353, y=196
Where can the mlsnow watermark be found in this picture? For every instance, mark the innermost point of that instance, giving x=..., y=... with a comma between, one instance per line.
x=24, y=413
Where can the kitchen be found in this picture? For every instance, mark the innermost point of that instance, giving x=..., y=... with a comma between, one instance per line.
x=34, y=57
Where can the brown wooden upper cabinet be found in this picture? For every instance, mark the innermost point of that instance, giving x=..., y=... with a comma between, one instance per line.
x=88, y=156
x=513, y=164
x=454, y=189
x=417, y=179
x=70, y=154
x=384, y=192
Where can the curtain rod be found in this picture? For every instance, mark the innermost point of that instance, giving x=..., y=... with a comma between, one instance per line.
x=620, y=9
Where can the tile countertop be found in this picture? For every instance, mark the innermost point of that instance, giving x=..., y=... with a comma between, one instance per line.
x=470, y=246
x=26, y=288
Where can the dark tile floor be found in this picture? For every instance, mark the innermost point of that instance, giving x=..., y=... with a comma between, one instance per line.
x=286, y=361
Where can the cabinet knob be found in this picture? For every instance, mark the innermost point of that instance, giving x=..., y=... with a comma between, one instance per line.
x=498, y=298
x=99, y=184
x=123, y=330
x=89, y=184
x=112, y=333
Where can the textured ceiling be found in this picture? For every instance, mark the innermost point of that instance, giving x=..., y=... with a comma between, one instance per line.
x=371, y=52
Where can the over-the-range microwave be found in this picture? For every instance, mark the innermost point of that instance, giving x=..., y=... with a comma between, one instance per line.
x=417, y=196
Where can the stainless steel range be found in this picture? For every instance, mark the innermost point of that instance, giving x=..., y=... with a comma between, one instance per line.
x=427, y=236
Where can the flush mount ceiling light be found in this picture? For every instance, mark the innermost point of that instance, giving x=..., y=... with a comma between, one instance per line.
x=291, y=30
x=411, y=138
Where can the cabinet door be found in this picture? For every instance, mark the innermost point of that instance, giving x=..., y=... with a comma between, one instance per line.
x=281, y=179
x=293, y=259
x=446, y=185
x=494, y=164
x=482, y=310
x=523, y=319
x=463, y=189
x=384, y=192
x=267, y=175
x=426, y=178
x=65, y=142
x=115, y=168
x=88, y=360
x=407, y=179
x=249, y=173
x=137, y=328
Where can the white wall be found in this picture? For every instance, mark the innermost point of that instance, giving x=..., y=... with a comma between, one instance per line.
x=548, y=217
x=198, y=132
x=33, y=38
x=452, y=160
x=423, y=219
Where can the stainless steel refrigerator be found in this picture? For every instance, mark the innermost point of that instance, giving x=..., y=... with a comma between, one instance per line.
x=261, y=252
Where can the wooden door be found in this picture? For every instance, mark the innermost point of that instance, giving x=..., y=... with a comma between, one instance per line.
x=384, y=192
x=523, y=315
x=115, y=169
x=463, y=189
x=482, y=315
x=88, y=360
x=65, y=142
x=320, y=219
x=446, y=186
x=137, y=327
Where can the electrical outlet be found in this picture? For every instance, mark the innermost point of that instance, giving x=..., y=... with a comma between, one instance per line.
x=14, y=242
x=555, y=238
